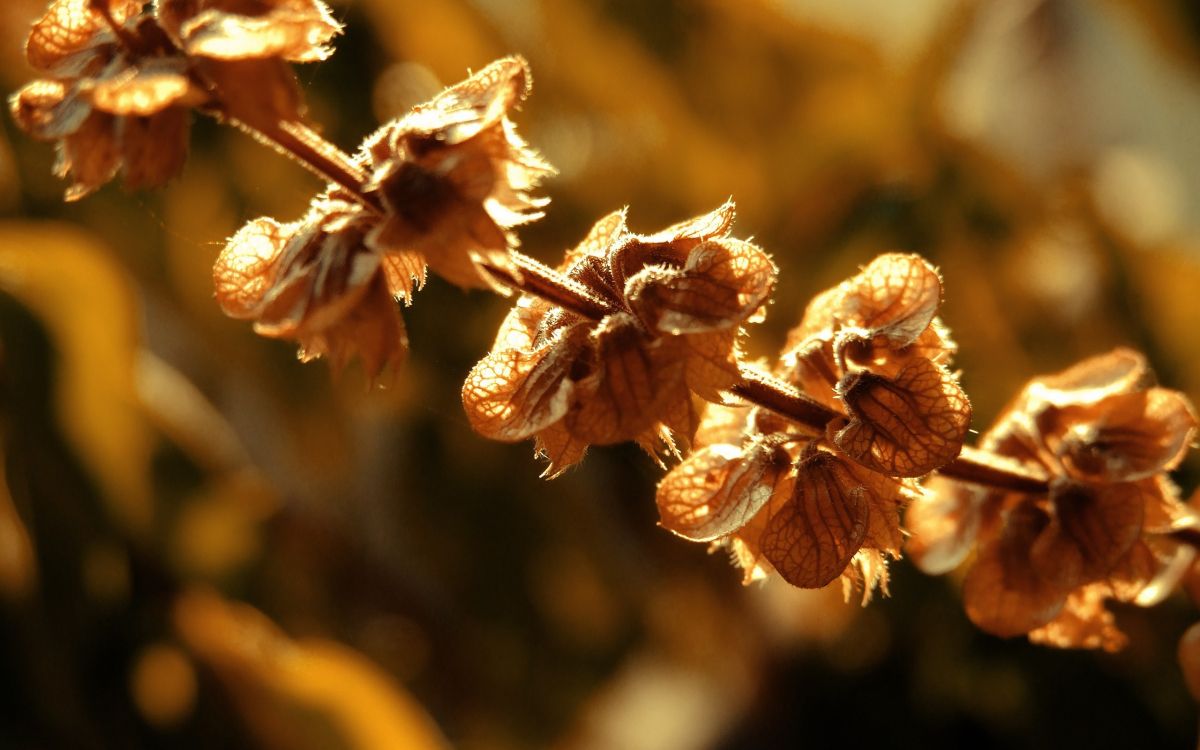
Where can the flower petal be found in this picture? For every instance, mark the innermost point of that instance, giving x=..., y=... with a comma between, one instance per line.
x=895, y=295
x=813, y=537
x=1091, y=529
x=68, y=26
x=718, y=489
x=908, y=426
x=245, y=270
x=1002, y=592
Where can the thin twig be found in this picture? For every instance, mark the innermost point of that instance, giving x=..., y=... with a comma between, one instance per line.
x=539, y=280
x=979, y=467
x=763, y=390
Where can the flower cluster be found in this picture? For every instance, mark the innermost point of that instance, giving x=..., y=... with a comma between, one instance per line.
x=816, y=500
x=1102, y=437
x=674, y=303
x=447, y=183
x=121, y=78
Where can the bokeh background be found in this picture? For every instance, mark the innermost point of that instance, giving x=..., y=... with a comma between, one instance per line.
x=204, y=543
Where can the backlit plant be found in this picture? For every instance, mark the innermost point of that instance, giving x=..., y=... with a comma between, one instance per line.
x=825, y=465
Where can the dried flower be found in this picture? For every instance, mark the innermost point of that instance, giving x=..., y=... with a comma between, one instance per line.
x=816, y=503
x=241, y=49
x=117, y=96
x=676, y=299
x=454, y=177
x=318, y=282
x=1102, y=437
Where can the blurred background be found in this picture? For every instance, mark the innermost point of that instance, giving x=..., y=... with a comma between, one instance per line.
x=204, y=543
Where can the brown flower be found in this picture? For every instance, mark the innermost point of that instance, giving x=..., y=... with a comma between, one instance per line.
x=454, y=177
x=241, y=49
x=116, y=98
x=318, y=282
x=815, y=503
x=1102, y=437
x=676, y=299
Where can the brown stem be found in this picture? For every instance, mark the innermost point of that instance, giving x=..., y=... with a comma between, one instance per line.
x=763, y=390
x=539, y=280
x=324, y=159
x=979, y=467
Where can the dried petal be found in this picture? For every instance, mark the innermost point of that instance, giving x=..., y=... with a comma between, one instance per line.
x=944, y=521
x=48, y=110
x=1125, y=437
x=1084, y=622
x=68, y=27
x=144, y=90
x=712, y=363
x=560, y=448
x=895, y=296
x=154, y=148
x=293, y=30
x=635, y=378
x=722, y=285
x=1091, y=528
x=908, y=426
x=718, y=489
x=245, y=270
x=517, y=391
x=90, y=155
x=1002, y=592
x=812, y=538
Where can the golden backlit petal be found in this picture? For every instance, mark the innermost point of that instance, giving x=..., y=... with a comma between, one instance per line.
x=1120, y=371
x=68, y=26
x=600, y=240
x=715, y=224
x=819, y=320
x=895, y=295
x=943, y=523
x=886, y=496
x=141, y=91
x=91, y=155
x=635, y=379
x=245, y=270
x=811, y=367
x=1126, y=436
x=1002, y=593
x=513, y=393
x=48, y=110
x=712, y=363
x=813, y=537
x=154, y=148
x=1084, y=622
x=405, y=272
x=298, y=31
x=723, y=424
x=905, y=427
x=372, y=330
x=723, y=284
x=471, y=106
x=560, y=448
x=718, y=489
x=1091, y=529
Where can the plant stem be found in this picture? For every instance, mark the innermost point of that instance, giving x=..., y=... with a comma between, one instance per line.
x=763, y=390
x=980, y=467
x=539, y=280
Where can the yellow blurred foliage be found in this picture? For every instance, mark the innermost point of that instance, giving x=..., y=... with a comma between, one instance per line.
x=88, y=307
x=309, y=693
x=18, y=567
x=163, y=684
